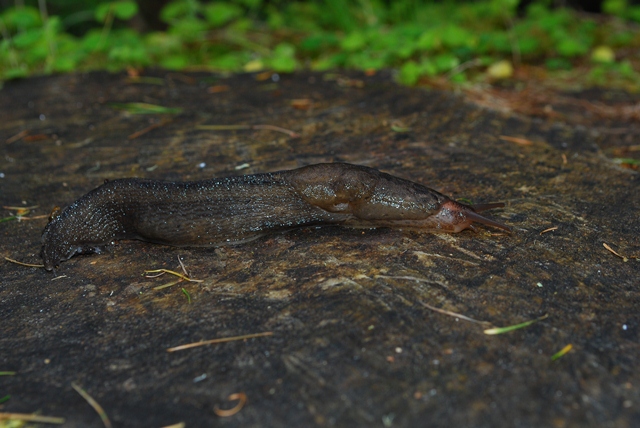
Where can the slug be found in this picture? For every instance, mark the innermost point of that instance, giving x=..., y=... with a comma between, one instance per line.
x=238, y=209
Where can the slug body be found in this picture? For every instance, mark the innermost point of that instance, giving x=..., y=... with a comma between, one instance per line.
x=238, y=209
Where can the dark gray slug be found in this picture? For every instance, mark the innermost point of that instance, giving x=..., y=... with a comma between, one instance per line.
x=238, y=209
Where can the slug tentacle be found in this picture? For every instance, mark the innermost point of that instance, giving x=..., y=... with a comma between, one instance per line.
x=461, y=216
x=238, y=209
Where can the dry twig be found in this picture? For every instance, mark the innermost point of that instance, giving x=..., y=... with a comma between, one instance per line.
x=172, y=272
x=23, y=264
x=219, y=340
x=242, y=400
x=454, y=314
x=148, y=128
x=289, y=132
x=520, y=141
x=549, y=230
x=624, y=258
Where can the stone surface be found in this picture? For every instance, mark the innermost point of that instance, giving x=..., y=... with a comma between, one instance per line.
x=353, y=343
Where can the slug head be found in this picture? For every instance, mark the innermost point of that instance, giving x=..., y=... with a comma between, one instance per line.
x=57, y=242
x=453, y=216
x=83, y=227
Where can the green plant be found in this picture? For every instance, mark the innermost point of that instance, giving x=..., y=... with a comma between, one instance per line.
x=423, y=40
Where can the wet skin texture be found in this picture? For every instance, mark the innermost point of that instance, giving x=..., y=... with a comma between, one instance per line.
x=237, y=209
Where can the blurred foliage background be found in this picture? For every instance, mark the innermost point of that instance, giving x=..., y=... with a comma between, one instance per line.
x=426, y=42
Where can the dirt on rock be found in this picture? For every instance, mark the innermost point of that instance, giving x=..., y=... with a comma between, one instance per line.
x=354, y=336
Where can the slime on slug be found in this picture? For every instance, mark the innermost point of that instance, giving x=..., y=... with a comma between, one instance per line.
x=238, y=209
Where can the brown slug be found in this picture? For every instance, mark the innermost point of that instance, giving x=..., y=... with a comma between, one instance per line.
x=238, y=209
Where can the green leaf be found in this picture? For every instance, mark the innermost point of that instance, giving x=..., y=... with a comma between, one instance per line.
x=598, y=74
x=180, y=9
x=405, y=51
x=308, y=16
x=174, y=62
x=494, y=41
x=400, y=128
x=429, y=40
x=232, y=61
x=190, y=29
x=510, y=5
x=571, y=47
x=331, y=61
x=252, y=4
x=319, y=41
x=622, y=38
x=285, y=49
x=410, y=73
x=562, y=352
x=558, y=64
x=242, y=25
x=27, y=38
x=353, y=41
x=161, y=43
x=37, y=53
x=68, y=54
x=283, y=58
x=554, y=20
x=144, y=108
x=132, y=54
x=429, y=68
x=455, y=36
x=21, y=18
x=220, y=13
x=614, y=7
x=366, y=60
x=186, y=293
x=459, y=77
x=66, y=63
x=501, y=330
x=634, y=13
x=102, y=11
x=626, y=69
x=629, y=161
x=283, y=64
x=445, y=62
x=340, y=14
x=125, y=10
x=275, y=19
x=529, y=45
x=91, y=40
